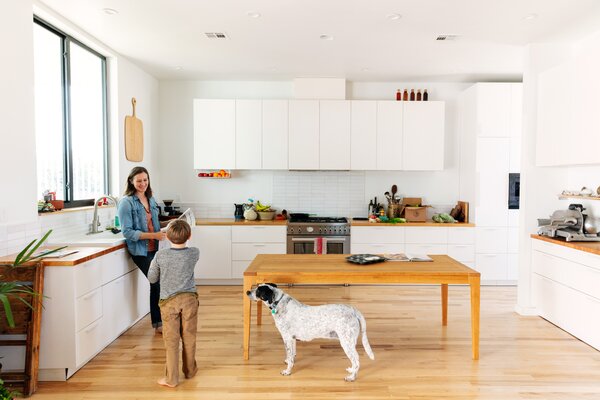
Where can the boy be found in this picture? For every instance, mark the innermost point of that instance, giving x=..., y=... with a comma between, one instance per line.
x=178, y=303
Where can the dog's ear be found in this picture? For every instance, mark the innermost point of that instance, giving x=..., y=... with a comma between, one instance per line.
x=271, y=284
x=264, y=293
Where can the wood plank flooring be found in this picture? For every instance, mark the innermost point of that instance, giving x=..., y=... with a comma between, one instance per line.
x=415, y=356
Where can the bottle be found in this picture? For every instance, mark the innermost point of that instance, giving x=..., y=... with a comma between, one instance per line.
x=398, y=95
x=405, y=95
x=412, y=94
x=419, y=95
x=425, y=95
x=117, y=222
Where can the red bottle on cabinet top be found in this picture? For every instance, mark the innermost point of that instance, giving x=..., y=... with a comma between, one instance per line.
x=419, y=95
x=412, y=94
x=398, y=95
x=405, y=95
x=425, y=95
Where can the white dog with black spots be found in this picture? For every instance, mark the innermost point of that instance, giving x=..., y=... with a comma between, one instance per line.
x=297, y=321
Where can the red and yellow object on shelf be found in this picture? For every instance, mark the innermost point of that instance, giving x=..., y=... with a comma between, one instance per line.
x=220, y=174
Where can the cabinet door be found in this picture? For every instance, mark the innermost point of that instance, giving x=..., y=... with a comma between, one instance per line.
x=214, y=243
x=389, y=135
x=493, y=110
x=275, y=134
x=334, y=134
x=214, y=134
x=363, y=137
x=248, y=134
x=304, y=134
x=423, y=136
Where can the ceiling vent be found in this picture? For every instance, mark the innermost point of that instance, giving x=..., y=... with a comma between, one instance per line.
x=447, y=37
x=216, y=35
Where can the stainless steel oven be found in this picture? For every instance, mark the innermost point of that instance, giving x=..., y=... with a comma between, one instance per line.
x=318, y=235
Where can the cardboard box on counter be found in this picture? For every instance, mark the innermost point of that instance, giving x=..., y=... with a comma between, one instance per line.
x=414, y=210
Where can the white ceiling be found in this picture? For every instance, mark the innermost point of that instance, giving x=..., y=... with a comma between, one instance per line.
x=283, y=43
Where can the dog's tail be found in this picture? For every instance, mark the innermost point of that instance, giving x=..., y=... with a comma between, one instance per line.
x=365, y=340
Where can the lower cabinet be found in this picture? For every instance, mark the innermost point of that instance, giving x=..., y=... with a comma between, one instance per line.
x=214, y=243
x=86, y=307
x=249, y=241
x=565, y=285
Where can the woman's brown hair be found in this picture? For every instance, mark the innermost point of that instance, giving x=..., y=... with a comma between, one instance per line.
x=130, y=189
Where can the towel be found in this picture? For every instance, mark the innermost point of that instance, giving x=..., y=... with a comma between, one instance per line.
x=320, y=245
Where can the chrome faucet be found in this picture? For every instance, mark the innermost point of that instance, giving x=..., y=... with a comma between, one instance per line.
x=96, y=220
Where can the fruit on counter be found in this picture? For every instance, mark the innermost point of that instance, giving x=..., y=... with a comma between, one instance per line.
x=262, y=207
x=280, y=217
x=398, y=220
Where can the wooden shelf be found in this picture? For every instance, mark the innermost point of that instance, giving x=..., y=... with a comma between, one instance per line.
x=564, y=197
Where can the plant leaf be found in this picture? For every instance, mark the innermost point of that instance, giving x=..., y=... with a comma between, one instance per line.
x=7, y=310
x=48, y=252
x=35, y=247
x=20, y=256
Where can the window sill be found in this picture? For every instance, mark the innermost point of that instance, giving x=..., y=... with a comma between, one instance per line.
x=70, y=210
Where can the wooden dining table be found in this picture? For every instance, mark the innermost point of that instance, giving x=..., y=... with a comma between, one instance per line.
x=334, y=269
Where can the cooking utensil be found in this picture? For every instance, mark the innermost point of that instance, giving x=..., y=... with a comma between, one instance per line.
x=394, y=191
x=134, y=136
x=388, y=197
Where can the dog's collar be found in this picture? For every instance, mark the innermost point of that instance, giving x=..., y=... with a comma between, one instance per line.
x=273, y=305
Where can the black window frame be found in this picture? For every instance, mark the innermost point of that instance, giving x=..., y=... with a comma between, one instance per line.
x=66, y=41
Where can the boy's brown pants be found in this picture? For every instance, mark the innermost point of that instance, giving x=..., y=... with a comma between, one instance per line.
x=180, y=319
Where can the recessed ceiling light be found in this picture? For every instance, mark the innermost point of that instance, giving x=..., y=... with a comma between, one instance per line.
x=326, y=37
x=529, y=17
x=253, y=14
x=365, y=70
x=394, y=17
x=178, y=68
x=110, y=11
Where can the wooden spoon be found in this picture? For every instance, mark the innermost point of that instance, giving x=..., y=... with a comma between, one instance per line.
x=394, y=190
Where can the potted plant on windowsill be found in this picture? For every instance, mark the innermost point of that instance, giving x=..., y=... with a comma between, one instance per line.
x=18, y=281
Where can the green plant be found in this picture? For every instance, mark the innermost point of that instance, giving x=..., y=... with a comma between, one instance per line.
x=5, y=393
x=16, y=290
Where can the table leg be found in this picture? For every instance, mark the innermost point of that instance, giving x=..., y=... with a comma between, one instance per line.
x=474, y=282
x=444, y=304
x=259, y=313
x=247, y=313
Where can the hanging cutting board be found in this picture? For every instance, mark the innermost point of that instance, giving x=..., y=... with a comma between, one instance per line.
x=134, y=136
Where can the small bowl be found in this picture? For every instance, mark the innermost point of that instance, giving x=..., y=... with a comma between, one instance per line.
x=266, y=215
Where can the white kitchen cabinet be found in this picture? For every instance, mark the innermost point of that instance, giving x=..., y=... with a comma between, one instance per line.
x=214, y=134
x=490, y=136
x=423, y=136
x=275, y=134
x=363, y=139
x=214, y=243
x=248, y=134
x=565, y=285
x=303, y=147
x=334, y=134
x=249, y=241
x=86, y=307
x=389, y=135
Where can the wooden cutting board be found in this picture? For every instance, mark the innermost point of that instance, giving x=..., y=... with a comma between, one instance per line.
x=134, y=136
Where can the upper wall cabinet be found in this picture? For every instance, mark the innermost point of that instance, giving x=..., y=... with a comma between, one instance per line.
x=319, y=135
x=214, y=134
x=423, y=136
x=334, y=134
x=389, y=135
x=304, y=134
x=363, y=128
x=493, y=105
x=275, y=134
x=248, y=134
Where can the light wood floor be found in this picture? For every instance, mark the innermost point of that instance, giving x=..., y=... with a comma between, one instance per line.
x=415, y=357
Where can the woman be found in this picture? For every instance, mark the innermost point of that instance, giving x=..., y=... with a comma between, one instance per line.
x=138, y=213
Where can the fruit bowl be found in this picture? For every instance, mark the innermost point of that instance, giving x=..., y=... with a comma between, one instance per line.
x=266, y=215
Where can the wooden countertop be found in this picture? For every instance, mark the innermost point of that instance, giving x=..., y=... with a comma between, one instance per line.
x=83, y=254
x=588, y=247
x=237, y=222
x=435, y=224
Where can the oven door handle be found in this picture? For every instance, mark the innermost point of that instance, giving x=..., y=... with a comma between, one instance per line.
x=329, y=239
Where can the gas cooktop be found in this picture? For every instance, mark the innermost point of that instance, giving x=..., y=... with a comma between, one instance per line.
x=322, y=220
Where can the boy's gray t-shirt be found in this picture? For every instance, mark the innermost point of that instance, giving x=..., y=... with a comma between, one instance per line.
x=175, y=270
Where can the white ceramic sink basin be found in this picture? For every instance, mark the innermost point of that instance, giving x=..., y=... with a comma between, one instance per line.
x=105, y=238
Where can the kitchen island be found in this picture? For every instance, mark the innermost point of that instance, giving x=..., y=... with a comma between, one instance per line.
x=334, y=269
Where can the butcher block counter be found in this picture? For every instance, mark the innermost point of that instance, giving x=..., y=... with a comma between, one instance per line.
x=237, y=222
x=82, y=255
x=414, y=224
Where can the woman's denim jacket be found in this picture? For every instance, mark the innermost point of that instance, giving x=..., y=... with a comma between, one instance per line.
x=132, y=216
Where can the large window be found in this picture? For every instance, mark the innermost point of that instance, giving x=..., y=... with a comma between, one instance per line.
x=70, y=117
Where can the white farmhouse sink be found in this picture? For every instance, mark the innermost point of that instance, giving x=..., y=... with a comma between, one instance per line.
x=105, y=238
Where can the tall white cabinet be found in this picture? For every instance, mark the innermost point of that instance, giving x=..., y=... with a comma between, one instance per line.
x=304, y=134
x=490, y=135
x=214, y=134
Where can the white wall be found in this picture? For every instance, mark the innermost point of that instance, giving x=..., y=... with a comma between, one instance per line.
x=17, y=151
x=178, y=180
x=541, y=185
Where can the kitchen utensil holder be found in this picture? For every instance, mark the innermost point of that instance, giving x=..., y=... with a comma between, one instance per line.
x=394, y=210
